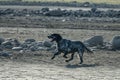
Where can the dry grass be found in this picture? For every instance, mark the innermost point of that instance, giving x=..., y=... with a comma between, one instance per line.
x=41, y=34
x=92, y=1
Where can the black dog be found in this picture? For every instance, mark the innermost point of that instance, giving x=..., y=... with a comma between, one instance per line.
x=67, y=46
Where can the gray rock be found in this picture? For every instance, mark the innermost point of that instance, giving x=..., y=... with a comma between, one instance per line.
x=15, y=42
x=45, y=9
x=1, y=40
x=42, y=48
x=7, y=44
x=40, y=44
x=5, y=54
x=10, y=43
x=33, y=48
x=30, y=40
x=116, y=42
x=57, y=13
x=53, y=47
x=17, y=48
x=1, y=49
x=94, y=41
x=24, y=45
x=47, y=43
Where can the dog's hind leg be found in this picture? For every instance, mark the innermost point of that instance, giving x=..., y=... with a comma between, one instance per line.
x=80, y=52
x=72, y=56
x=57, y=53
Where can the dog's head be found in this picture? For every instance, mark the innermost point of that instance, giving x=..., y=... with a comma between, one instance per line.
x=55, y=37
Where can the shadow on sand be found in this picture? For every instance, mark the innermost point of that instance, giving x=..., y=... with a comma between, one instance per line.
x=81, y=65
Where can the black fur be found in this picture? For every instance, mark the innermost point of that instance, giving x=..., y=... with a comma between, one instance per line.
x=67, y=46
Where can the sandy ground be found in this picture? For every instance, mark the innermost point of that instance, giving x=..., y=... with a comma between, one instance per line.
x=42, y=68
x=26, y=71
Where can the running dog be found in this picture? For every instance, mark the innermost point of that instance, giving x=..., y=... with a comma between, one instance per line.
x=67, y=46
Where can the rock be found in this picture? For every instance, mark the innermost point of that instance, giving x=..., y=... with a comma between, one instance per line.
x=47, y=43
x=52, y=48
x=1, y=49
x=22, y=51
x=57, y=13
x=40, y=44
x=28, y=43
x=30, y=40
x=1, y=40
x=10, y=43
x=5, y=54
x=15, y=42
x=42, y=48
x=7, y=44
x=17, y=48
x=116, y=42
x=45, y=9
x=33, y=48
x=24, y=45
x=94, y=41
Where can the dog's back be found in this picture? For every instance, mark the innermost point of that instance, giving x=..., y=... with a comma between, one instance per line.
x=69, y=46
x=72, y=46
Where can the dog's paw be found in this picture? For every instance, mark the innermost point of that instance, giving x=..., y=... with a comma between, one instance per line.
x=66, y=60
x=52, y=58
x=65, y=56
x=80, y=62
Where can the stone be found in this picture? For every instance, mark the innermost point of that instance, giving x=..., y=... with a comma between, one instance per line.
x=47, y=43
x=30, y=40
x=17, y=48
x=5, y=54
x=94, y=41
x=1, y=40
x=116, y=42
x=7, y=44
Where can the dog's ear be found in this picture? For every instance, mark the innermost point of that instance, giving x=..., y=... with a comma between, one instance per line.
x=59, y=37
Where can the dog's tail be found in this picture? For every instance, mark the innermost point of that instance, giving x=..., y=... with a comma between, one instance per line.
x=88, y=50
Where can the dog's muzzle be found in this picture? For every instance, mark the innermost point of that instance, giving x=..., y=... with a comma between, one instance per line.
x=52, y=38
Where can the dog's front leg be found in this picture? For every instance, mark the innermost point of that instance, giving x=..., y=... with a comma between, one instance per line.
x=72, y=56
x=65, y=55
x=57, y=53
